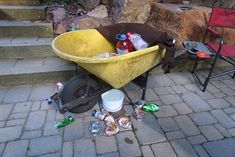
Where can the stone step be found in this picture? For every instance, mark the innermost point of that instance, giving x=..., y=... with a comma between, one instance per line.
x=19, y=2
x=25, y=29
x=34, y=70
x=20, y=48
x=22, y=13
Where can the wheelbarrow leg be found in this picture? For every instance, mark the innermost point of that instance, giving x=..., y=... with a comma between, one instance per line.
x=144, y=88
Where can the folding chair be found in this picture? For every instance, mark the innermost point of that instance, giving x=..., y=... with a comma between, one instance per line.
x=219, y=18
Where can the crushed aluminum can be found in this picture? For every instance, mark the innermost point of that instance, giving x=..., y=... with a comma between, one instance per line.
x=124, y=122
x=59, y=86
x=109, y=119
x=111, y=129
x=98, y=114
x=49, y=101
x=94, y=128
x=138, y=114
x=139, y=104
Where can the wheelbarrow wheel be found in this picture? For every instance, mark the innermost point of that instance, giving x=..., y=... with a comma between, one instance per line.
x=76, y=88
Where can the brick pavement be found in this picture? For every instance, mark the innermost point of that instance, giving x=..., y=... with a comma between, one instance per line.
x=189, y=122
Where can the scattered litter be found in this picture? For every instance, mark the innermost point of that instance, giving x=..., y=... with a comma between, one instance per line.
x=98, y=114
x=94, y=128
x=138, y=114
x=124, y=122
x=59, y=86
x=150, y=107
x=111, y=129
x=49, y=101
x=137, y=41
x=109, y=119
x=139, y=104
x=106, y=55
x=67, y=120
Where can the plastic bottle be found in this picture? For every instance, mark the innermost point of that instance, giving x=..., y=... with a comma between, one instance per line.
x=68, y=120
x=137, y=41
x=151, y=107
x=124, y=45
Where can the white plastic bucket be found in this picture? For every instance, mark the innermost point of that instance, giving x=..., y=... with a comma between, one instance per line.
x=112, y=100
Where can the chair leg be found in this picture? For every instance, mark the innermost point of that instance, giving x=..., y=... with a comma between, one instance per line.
x=210, y=73
x=195, y=65
x=233, y=75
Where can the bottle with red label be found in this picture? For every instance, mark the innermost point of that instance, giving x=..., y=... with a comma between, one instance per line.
x=124, y=45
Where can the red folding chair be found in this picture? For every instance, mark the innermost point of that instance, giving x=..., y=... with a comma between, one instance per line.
x=220, y=18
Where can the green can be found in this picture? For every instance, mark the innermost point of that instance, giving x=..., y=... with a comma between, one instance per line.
x=150, y=107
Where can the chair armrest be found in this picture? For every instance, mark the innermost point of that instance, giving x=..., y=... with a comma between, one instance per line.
x=214, y=32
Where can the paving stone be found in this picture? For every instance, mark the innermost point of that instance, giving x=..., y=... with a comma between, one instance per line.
x=198, y=139
x=218, y=103
x=31, y=134
x=10, y=133
x=179, y=78
x=50, y=129
x=18, y=94
x=2, y=146
x=15, y=122
x=192, y=87
x=168, y=124
x=3, y=93
x=219, y=95
x=127, y=144
x=205, y=95
x=200, y=151
x=202, y=118
x=112, y=154
x=221, y=147
x=195, y=102
x=135, y=95
x=129, y=110
x=224, y=119
x=51, y=115
x=16, y=148
x=183, y=148
x=41, y=91
x=36, y=120
x=166, y=111
x=18, y=115
x=163, y=80
x=232, y=131
x=229, y=110
x=37, y=146
x=218, y=83
x=170, y=99
x=80, y=148
x=187, y=126
x=161, y=91
x=222, y=130
x=74, y=131
x=163, y=150
x=45, y=106
x=51, y=155
x=5, y=111
x=105, y=144
x=212, y=89
x=228, y=91
x=179, y=89
x=151, y=95
x=210, y=132
x=174, y=135
x=232, y=116
x=148, y=130
x=36, y=106
x=59, y=116
x=22, y=107
x=182, y=108
x=2, y=124
x=231, y=100
x=146, y=150
x=171, y=90
x=67, y=149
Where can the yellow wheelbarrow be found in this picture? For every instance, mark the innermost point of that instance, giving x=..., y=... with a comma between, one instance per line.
x=82, y=45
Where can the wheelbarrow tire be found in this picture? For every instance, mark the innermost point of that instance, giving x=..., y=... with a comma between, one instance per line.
x=76, y=88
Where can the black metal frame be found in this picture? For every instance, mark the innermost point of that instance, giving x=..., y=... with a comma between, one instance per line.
x=217, y=55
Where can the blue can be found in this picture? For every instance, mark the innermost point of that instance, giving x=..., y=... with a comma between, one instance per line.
x=49, y=101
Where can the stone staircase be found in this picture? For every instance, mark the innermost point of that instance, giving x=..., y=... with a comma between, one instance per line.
x=26, y=55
